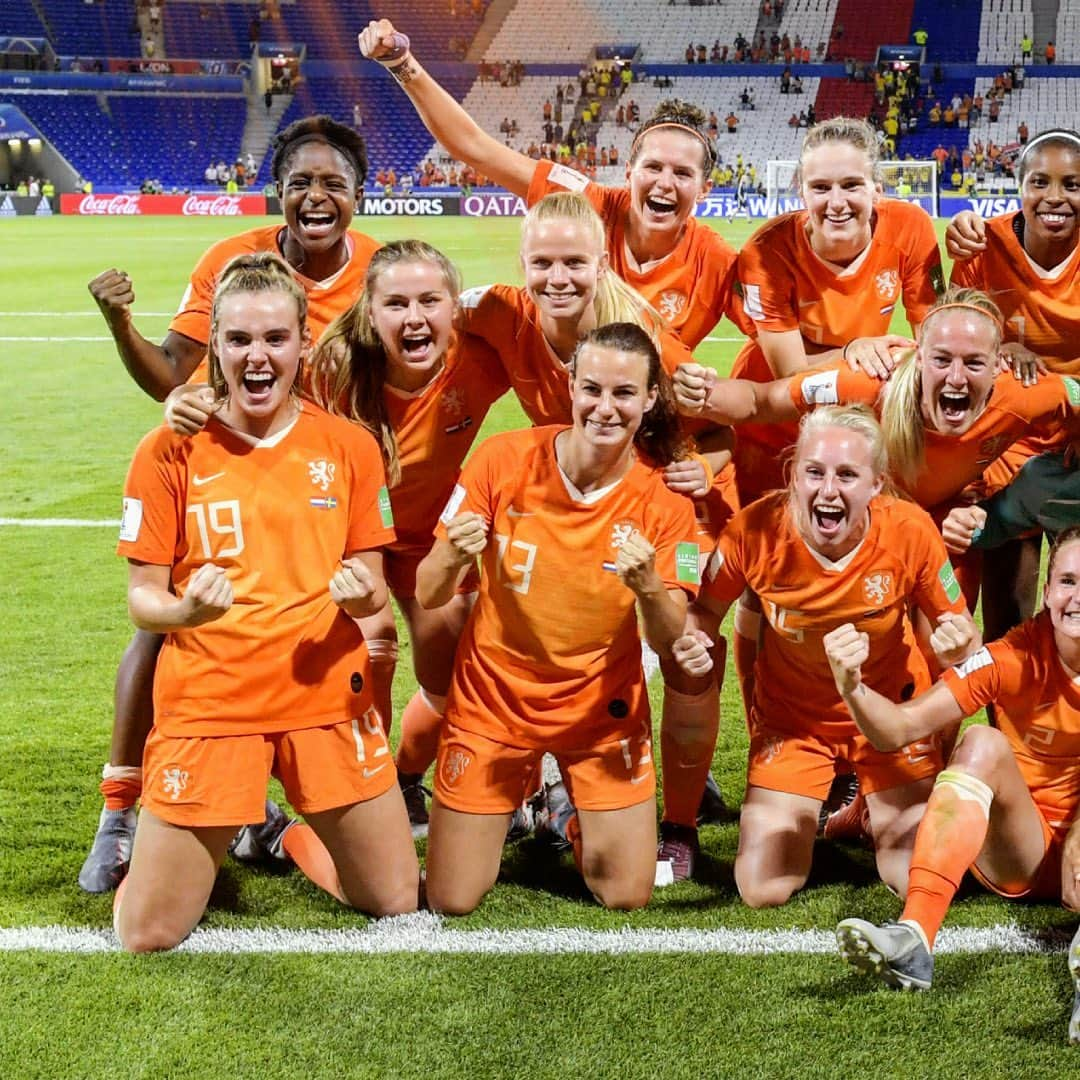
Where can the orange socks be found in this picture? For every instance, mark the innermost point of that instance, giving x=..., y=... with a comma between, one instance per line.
x=309, y=853
x=421, y=723
x=687, y=740
x=949, y=840
x=121, y=785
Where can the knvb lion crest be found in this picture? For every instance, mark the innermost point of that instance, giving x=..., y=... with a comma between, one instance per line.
x=876, y=588
x=671, y=303
x=322, y=473
x=174, y=780
x=453, y=402
x=621, y=531
x=770, y=748
x=887, y=284
x=454, y=765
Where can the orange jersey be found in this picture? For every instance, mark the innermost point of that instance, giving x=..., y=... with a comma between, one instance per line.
x=550, y=656
x=435, y=428
x=784, y=286
x=951, y=462
x=901, y=561
x=1037, y=707
x=506, y=318
x=1041, y=308
x=691, y=287
x=278, y=517
x=326, y=299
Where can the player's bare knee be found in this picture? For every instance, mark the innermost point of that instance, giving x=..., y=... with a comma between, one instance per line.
x=980, y=750
x=147, y=935
x=765, y=893
x=621, y=894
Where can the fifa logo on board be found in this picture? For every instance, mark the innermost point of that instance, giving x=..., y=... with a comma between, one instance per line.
x=174, y=780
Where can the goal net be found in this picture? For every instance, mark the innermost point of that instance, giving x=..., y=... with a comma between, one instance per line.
x=916, y=181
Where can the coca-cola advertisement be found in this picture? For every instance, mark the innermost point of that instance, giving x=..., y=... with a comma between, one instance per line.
x=109, y=204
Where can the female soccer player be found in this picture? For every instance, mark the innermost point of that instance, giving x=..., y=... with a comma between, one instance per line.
x=263, y=668
x=833, y=548
x=395, y=364
x=1006, y=805
x=570, y=289
x=319, y=168
x=826, y=280
x=654, y=243
x=578, y=535
x=1029, y=262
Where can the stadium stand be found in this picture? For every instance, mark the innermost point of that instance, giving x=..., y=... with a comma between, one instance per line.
x=210, y=31
x=104, y=28
x=20, y=18
x=1003, y=24
x=951, y=28
x=810, y=20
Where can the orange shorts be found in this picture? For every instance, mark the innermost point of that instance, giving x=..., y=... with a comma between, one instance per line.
x=399, y=568
x=477, y=775
x=803, y=763
x=1045, y=883
x=203, y=782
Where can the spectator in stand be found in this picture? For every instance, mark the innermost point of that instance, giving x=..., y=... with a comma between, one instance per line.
x=796, y=85
x=785, y=81
x=1027, y=44
x=715, y=52
x=702, y=54
x=689, y=54
x=995, y=110
x=713, y=128
x=1050, y=53
x=1022, y=132
x=210, y=175
x=732, y=122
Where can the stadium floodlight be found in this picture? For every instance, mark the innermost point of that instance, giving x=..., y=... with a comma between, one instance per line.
x=915, y=181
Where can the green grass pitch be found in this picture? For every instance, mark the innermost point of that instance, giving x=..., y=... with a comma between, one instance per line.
x=71, y=418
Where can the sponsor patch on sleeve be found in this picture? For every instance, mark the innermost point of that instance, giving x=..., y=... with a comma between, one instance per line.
x=976, y=660
x=386, y=511
x=453, y=505
x=947, y=577
x=568, y=178
x=1072, y=388
x=751, y=295
x=131, y=520
x=686, y=563
x=821, y=388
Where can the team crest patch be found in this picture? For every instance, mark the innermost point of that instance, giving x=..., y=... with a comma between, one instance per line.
x=454, y=765
x=991, y=448
x=887, y=283
x=671, y=303
x=322, y=473
x=621, y=531
x=876, y=588
x=174, y=781
x=453, y=402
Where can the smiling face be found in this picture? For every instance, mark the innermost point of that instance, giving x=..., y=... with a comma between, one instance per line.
x=1061, y=595
x=318, y=196
x=1050, y=195
x=838, y=188
x=667, y=178
x=563, y=260
x=832, y=485
x=412, y=313
x=957, y=354
x=610, y=395
x=259, y=345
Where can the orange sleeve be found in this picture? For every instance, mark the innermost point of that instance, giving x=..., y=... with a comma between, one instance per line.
x=150, y=527
x=832, y=384
x=923, y=276
x=474, y=489
x=936, y=587
x=725, y=574
x=766, y=283
x=995, y=671
x=673, y=535
x=969, y=274
x=371, y=520
x=192, y=318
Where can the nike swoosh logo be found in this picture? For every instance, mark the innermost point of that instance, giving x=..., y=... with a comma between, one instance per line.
x=198, y=481
x=511, y=512
x=369, y=773
x=639, y=779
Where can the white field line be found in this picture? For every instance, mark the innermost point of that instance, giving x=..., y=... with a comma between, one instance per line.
x=91, y=312
x=53, y=340
x=60, y=523
x=424, y=933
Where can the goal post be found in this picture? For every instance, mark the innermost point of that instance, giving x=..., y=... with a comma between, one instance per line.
x=916, y=181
